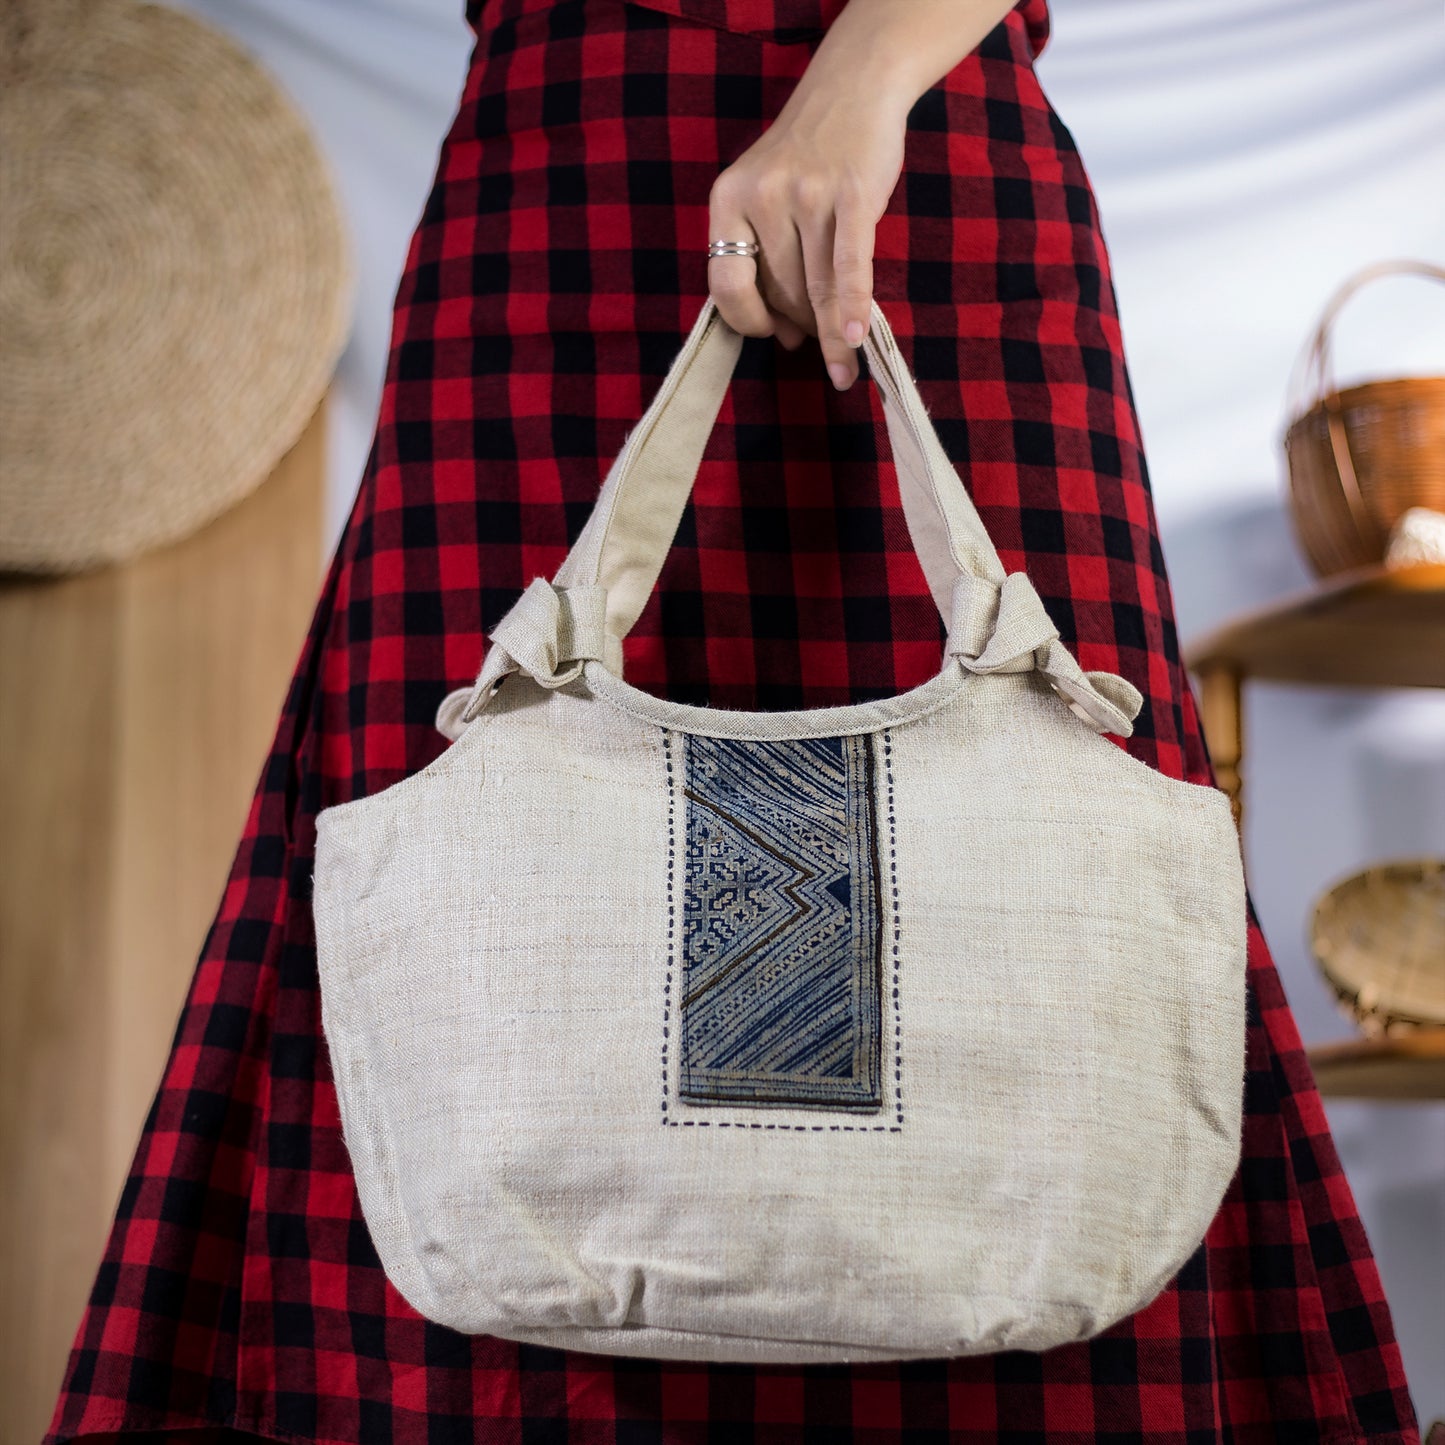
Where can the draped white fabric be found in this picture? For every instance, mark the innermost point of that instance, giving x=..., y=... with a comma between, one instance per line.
x=1247, y=156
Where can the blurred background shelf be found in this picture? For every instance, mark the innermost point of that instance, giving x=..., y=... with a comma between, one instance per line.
x=1405, y=1067
x=1375, y=627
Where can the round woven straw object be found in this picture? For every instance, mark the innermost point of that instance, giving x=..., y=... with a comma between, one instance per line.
x=175, y=279
x=1379, y=938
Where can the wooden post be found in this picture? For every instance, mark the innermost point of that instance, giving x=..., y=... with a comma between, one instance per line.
x=1222, y=717
x=137, y=709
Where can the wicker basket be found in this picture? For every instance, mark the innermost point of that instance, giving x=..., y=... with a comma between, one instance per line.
x=1379, y=939
x=1361, y=457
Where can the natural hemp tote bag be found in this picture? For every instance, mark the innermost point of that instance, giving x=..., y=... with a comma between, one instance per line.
x=900, y=1029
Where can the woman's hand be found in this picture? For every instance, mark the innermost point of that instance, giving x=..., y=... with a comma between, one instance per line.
x=809, y=191
x=811, y=188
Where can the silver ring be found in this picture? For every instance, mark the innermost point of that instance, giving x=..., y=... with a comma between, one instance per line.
x=732, y=248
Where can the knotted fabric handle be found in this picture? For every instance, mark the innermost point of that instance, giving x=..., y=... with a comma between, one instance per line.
x=548, y=633
x=604, y=582
x=1006, y=628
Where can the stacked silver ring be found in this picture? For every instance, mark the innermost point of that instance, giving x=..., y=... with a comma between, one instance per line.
x=732, y=248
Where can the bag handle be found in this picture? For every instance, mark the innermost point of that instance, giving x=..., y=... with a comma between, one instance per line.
x=995, y=619
x=626, y=540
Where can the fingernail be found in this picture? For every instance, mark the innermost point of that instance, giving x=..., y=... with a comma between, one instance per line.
x=854, y=332
x=839, y=373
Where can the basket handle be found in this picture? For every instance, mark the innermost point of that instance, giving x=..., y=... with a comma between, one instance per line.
x=1318, y=364
x=1318, y=355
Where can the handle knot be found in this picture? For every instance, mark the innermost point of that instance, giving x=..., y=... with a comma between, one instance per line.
x=548, y=633
x=1004, y=627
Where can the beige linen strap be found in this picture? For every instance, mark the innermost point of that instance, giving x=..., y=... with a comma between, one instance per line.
x=996, y=619
x=633, y=525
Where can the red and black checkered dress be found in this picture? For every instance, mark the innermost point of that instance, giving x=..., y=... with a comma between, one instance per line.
x=556, y=269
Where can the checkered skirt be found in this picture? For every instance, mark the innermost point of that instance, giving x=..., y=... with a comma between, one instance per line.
x=557, y=267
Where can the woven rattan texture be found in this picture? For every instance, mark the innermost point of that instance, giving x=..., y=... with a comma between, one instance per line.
x=175, y=282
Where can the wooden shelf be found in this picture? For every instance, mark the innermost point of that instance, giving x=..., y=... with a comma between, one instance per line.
x=1406, y=1067
x=1376, y=627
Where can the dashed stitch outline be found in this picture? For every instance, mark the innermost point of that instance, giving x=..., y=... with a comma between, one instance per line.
x=893, y=880
x=895, y=1128
x=671, y=910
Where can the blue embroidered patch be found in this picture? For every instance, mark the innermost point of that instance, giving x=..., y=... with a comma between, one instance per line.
x=780, y=998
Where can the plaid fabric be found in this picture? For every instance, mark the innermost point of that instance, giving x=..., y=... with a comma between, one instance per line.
x=554, y=273
x=784, y=22
x=789, y=21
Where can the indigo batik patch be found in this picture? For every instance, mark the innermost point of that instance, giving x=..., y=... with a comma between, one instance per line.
x=780, y=996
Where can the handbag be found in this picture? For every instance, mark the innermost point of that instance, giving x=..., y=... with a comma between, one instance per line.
x=907, y=1028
